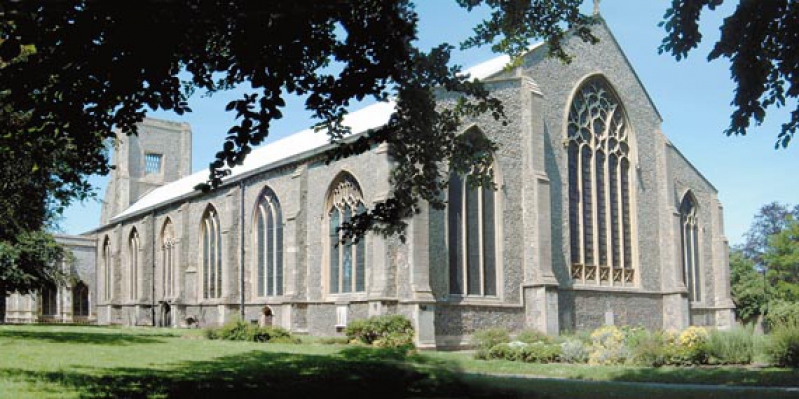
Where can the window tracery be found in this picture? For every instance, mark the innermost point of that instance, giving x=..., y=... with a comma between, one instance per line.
x=168, y=259
x=689, y=233
x=269, y=230
x=599, y=154
x=212, y=255
x=347, y=259
x=471, y=213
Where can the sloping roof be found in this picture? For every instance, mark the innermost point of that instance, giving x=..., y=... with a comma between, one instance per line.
x=298, y=145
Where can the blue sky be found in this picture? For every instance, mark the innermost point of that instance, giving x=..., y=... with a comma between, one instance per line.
x=692, y=95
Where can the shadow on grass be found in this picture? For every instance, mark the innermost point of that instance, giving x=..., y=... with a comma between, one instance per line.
x=358, y=372
x=731, y=376
x=87, y=337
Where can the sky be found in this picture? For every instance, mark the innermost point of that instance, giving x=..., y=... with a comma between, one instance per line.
x=692, y=95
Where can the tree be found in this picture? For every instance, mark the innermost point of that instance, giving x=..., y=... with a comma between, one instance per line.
x=771, y=219
x=29, y=262
x=747, y=287
x=782, y=258
x=101, y=64
x=760, y=40
x=764, y=271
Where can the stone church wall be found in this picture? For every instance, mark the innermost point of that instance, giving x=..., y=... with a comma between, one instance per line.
x=534, y=290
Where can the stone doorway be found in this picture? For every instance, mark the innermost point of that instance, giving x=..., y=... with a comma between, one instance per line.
x=266, y=317
x=164, y=314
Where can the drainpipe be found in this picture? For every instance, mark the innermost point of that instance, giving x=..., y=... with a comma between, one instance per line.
x=152, y=276
x=241, y=248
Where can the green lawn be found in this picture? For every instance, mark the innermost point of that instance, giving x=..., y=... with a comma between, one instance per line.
x=95, y=362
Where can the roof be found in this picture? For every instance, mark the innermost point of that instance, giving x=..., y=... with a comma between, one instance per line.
x=296, y=146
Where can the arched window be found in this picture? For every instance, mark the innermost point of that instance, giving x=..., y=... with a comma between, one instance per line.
x=168, y=259
x=690, y=247
x=107, y=270
x=472, y=237
x=49, y=300
x=133, y=265
x=80, y=300
x=347, y=259
x=269, y=236
x=599, y=187
x=211, y=255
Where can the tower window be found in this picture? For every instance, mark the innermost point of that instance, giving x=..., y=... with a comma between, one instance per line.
x=152, y=163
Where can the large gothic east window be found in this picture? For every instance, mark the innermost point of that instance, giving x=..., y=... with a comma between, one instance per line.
x=211, y=255
x=269, y=236
x=690, y=247
x=347, y=259
x=599, y=187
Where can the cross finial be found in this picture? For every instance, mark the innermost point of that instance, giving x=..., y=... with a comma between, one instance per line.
x=596, y=7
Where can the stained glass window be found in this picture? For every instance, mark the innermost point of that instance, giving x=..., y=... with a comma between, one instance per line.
x=599, y=187
x=107, y=270
x=133, y=265
x=689, y=233
x=168, y=259
x=347, y=258
x=270, y=245
x=212, y=255
x=472, y=237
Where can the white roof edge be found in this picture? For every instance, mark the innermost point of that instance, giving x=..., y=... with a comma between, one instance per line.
x=295, y=146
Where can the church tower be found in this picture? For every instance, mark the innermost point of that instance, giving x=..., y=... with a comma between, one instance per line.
x=161, y=153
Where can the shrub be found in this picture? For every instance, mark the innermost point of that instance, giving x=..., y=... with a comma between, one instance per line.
x=532, y=336
x=504, y=351
x=573, y=350
x=388, y=330
x=539, y=352
x=783, y=347
x=736, y=346
x=484, y=340
x=273, y=335
x=395, y=340
x=781, y=313
x=236, y=330
x=693, y=337
x=608, y=346
x=242, y=331
x=650, y=349
x=210, y=332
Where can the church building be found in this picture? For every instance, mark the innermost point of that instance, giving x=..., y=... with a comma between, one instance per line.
x=597, y=219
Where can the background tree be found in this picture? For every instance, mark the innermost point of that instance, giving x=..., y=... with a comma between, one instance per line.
x=782, y=259
x=771, y=219
x=764, y=271
x=747, y=287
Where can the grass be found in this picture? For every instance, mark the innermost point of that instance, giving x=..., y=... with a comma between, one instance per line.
x=99, y=362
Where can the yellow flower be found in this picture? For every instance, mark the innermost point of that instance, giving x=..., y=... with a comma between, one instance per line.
x=693, y=336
